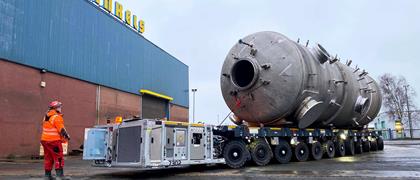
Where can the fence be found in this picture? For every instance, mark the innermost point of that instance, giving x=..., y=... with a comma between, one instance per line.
x=390, y=134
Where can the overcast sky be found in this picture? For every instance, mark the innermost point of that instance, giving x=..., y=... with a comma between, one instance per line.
x=379, y=36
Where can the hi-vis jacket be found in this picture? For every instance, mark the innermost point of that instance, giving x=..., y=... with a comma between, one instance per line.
x=52, y=126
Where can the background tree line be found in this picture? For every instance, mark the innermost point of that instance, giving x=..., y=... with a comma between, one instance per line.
x=398, y=99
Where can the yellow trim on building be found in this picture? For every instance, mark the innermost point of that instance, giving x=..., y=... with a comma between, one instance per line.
x=144, y=91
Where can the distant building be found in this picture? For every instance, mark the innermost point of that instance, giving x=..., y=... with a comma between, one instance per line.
x=386, y=125
x=392, y=128
x=77, y=53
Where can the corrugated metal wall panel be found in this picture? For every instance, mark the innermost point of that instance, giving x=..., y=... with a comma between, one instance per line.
x=77, y=39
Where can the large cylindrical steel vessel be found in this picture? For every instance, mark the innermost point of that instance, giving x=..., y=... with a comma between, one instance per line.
x=268, y=79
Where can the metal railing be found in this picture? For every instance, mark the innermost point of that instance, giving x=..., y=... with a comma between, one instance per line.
x=390, y=134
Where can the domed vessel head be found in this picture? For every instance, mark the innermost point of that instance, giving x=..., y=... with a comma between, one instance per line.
x=262, y=77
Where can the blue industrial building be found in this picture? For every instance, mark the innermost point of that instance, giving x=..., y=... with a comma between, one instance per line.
x=77, y=39
x=77, y=52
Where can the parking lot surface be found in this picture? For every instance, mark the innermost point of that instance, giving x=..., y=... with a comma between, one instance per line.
x=399, y=160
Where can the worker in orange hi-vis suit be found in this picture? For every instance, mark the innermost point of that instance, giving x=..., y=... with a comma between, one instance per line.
x=53, y=135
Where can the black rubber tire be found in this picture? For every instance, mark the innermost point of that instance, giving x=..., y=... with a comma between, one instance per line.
x=340, y=150
x=329, y=149
x=301, y=152
x=283, y=152
x=366, y=146
x=380, y=144
x=316, y=151
x=358, y=148
x=235, y=153
x=373, y=145
x=261, y=153
x=349, y=145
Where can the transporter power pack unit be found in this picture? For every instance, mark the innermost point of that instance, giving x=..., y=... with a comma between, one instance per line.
x=148, y=143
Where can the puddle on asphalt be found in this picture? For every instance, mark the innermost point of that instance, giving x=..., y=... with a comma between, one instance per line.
x=344, y=173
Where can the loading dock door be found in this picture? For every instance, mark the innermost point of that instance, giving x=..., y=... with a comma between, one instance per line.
x=154, y=107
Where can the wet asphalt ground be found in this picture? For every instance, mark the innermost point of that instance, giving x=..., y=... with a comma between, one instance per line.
x=399, y=160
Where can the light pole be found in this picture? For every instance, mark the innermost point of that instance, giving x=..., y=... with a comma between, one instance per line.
x=194, y=90
x=408, y=112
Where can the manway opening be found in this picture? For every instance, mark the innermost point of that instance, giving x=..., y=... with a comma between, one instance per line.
x=244, y=74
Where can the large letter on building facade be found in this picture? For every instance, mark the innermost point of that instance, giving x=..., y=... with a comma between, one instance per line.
x=118, y=10
x=136, y=26
x=141, y=24
x=108, y=5
x=128, y=17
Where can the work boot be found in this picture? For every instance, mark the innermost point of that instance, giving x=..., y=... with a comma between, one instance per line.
x=60, y=175
x=48, y=175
